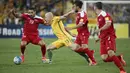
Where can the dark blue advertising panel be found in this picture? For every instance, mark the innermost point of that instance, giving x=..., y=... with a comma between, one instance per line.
x=15, y=31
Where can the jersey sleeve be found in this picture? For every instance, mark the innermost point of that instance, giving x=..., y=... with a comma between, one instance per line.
x=108, y=18
x=42, y=21
x=24, y=16
x=83, y=18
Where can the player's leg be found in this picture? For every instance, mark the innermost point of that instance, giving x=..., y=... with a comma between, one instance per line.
x=104, y=55
x=113, y=58
x=104, y=52
x=75, y=47
x=23, y=47
x=43, y=48
x=110, y=49
x=84, y=45
x=116, y=60
x=23, y=44
x=55, y=45
x=90, y=54
x=122, y=59
x=111, y=46
x=84, y=55
x=38, y=41
x=50, y=48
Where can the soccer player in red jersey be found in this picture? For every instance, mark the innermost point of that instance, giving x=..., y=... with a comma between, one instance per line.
x=107, y=38
x=30, y=31
x=83, y=33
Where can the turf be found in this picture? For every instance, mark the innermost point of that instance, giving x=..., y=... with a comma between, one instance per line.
x=64, y=59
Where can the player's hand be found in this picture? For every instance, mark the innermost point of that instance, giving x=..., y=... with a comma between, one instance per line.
x=74, y=35
x=97, y=40
x=97, y=31
x=12, y=10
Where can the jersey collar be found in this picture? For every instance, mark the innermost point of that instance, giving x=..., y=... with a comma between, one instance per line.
x=100, y=12
x=80, y=11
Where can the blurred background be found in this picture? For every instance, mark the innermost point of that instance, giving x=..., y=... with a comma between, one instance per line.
x=11, y=27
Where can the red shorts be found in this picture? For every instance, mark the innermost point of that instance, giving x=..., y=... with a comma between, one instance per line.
x=107, y=44
x=34, y=39
x=82, y=38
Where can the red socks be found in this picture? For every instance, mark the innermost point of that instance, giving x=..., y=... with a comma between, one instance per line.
x=109, y=59
x=90, y=54
x=79, y=50
x=43, y=50
x=116, y=61
x=22, y=49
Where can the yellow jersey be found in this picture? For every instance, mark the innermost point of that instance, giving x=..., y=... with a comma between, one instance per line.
x=59, y=29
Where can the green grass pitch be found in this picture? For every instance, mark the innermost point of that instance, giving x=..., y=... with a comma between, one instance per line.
x=64, y=59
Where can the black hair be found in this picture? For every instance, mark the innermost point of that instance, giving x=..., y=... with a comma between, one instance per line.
x=98, y=5
x=78, y=3
x=31, y=8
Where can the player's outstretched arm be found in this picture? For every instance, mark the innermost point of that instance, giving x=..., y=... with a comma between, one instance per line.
x=107, y=25
x=44, y=22
x=97, y=40
x=77, y=26
x=74, y=35
x=65, y=15
x=17, y=15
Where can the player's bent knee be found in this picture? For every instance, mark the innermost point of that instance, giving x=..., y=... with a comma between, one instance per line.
x=51, y=47
x=41, y=42
x=75, y=47
x=104, y=57
x=111, y=53
x=23, y=43
x=84, y=46
x=48, y=50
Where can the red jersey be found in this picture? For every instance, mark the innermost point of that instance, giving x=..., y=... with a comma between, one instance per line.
x=31, y=24
x=104, y=17
x=82, y=17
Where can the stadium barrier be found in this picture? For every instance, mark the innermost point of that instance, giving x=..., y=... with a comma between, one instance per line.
x=122, y=30
x=15, y=31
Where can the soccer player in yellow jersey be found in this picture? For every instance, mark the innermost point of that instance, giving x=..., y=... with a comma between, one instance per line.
x=64, y=38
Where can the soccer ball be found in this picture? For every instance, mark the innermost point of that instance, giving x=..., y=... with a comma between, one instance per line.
x=17, y=60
